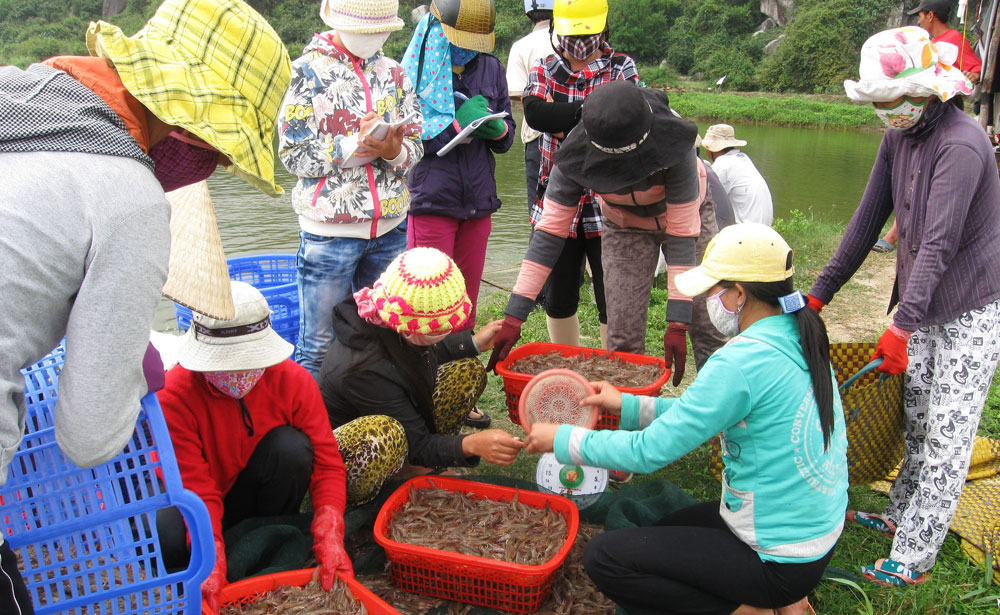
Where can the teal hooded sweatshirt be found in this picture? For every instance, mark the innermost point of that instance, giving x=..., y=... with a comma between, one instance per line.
x=784, y=493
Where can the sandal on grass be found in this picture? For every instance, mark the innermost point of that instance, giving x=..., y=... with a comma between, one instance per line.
x=872, y=521
x=482, y=421
x=891, y=573
x=883, y=246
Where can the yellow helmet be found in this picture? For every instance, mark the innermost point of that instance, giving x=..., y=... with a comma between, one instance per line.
x=579, y=17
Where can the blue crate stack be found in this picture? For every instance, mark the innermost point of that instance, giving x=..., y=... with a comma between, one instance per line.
x=275, y=276
x=87, y=537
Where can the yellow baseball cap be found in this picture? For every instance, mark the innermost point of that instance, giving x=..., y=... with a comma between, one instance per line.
x=747, y=252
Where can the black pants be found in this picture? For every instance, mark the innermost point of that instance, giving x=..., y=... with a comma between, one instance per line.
x=532, y=162
x=273, y=483
x=692, y=564
x=14, y=597
x=562, y=289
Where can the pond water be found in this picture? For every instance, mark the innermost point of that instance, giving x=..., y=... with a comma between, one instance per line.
x=818, y=172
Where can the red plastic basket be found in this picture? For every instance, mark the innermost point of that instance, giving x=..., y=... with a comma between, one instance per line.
x=248, y=590
x=506, y=586
x=514, y=382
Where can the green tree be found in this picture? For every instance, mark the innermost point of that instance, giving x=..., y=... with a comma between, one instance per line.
x=822, y=45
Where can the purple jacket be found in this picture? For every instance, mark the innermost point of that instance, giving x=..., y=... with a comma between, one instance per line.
x=462, y=183
x=941, y=180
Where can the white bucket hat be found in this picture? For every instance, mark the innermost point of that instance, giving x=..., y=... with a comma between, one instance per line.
x=905, y=62
x=244, y=342
x=361, y=16
x=719, y=137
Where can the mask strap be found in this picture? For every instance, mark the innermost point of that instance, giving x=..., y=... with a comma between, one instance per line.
x=182, y=136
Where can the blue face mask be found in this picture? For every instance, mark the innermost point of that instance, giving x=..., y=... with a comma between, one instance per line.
x=461, y=56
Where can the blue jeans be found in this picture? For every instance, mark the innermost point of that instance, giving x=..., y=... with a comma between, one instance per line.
x=330, y=269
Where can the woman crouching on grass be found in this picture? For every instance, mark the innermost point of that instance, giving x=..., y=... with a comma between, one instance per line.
x=399, y=380
x=771, y=393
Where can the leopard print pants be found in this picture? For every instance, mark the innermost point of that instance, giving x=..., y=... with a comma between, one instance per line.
x=374, y=447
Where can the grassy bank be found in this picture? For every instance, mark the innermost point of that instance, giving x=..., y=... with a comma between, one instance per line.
x=799, y=110
x=956, y=586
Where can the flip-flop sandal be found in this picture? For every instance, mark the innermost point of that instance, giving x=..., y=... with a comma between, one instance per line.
x=481, y=422
x=883, y=246
x=872, y=521
x=891, y=573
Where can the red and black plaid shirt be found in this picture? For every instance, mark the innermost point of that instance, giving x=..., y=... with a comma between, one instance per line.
x=554, y=78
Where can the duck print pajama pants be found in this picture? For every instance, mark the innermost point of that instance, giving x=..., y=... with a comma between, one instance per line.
x=947, y=381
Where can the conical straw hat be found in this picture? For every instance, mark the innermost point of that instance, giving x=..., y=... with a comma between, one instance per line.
x=197, y=274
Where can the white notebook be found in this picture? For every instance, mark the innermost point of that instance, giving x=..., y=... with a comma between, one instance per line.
x=348, y=145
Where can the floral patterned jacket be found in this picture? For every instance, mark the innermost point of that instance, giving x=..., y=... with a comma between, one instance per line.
x=329, y=94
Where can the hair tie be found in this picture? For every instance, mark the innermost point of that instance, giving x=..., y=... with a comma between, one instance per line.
x=793, y=302
x=367, y=309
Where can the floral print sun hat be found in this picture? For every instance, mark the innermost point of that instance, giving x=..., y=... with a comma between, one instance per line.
x=904, y=61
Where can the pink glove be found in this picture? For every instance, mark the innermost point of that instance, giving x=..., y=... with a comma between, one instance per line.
x=510, y=332
x=814, y=303
x=675, y=349
x=213, y=585
x=892, y=348
x=328, y=545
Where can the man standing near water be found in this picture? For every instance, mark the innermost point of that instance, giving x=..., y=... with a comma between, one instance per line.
x=88, y=146
x=936, y=170
x=932, y=15
x=745, y=186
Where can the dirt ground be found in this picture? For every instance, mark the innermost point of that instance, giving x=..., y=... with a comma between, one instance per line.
x=857, y=312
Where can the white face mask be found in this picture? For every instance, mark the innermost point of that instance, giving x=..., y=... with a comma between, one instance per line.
x=728, y=323
x=904, y=115
x=363, y=46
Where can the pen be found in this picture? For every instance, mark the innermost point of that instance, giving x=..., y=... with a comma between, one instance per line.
x=464, y=97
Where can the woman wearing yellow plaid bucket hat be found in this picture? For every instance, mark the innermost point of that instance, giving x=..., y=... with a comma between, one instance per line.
x=771, y=393
x=88, y=147
x=398, y=380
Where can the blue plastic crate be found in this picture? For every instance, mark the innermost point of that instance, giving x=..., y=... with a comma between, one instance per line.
x=276, y=277
x=87, y=538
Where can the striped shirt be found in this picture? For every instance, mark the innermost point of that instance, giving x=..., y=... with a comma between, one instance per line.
x=683, y=186
x=941, y=180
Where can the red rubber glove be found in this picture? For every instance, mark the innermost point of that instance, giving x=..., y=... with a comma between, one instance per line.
x=675, y=349
x=892, y=348
x=814, y=303
x=213, y=585
x=510, y=332
x=328, y=545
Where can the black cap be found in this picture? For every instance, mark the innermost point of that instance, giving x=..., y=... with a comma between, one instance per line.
x=939, y=7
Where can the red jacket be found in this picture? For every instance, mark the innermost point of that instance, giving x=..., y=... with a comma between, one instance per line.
x=213, y=447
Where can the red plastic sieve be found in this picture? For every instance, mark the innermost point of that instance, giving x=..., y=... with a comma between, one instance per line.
x=554, y=396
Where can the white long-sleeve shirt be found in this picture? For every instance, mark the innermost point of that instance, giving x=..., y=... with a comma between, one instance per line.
x=523, y=53
x=747, y=190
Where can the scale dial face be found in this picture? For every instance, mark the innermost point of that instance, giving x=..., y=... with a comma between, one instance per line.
x=581, y=484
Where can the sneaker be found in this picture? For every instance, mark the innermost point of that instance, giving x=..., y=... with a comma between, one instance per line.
x=618, y=477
